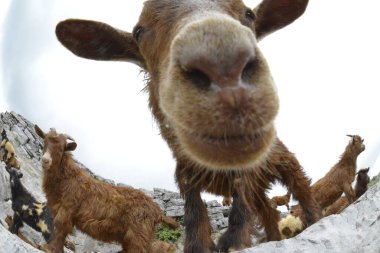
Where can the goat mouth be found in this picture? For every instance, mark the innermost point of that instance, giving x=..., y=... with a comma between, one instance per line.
x=228, y=151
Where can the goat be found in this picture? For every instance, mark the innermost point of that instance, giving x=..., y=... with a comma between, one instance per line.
x=7, y=151
x=103, y=211
x=281, y=200
x=215, y=102
x=338, y=180
x=4, y=135
x=27, y=209
x=361, y=186
x=290, y=226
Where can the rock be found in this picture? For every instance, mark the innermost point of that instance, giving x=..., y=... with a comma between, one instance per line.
x=356, y=229
x=11, y=243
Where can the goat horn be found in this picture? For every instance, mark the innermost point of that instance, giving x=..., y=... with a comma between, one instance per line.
x=69, y=137
x=350, y=135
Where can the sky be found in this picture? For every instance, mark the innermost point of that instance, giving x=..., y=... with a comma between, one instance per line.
x=325, y=65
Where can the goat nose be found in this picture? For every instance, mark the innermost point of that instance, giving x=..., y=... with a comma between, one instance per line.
x=214, y=52
x=205, y=72
x=235, y=97
x=46, y=159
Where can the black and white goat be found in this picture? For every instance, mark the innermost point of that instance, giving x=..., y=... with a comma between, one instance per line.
x=27, y=209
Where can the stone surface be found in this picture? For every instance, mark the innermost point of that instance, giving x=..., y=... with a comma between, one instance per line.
x=356, y=229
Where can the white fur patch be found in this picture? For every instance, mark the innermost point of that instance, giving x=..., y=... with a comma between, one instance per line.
x=293, y=223
x=24, y=207
x=39, y=208
x=46, y=159
x=42, y=225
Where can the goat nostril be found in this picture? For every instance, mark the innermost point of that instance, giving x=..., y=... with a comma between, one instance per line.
x=198, y=78
x=249, y=70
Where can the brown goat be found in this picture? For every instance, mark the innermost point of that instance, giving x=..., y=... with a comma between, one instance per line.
x=338, y=180
x=105, y=212
x=211, y=91
x=281, y=200
x=361, y=186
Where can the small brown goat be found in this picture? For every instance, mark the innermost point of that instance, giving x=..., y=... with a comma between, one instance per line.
x=212, y=94
x=105, y=212
x=281, y=200
x=340, y=177
x=361, y=186
x=338, y=180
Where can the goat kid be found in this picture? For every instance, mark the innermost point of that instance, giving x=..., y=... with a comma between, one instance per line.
x=214, y=99
x=27, y=209
x=105, y=212
x=8, y=155
x=281, y=200
x=338, y=180
x=340, y=177
x=361, y=186
x=4, y=135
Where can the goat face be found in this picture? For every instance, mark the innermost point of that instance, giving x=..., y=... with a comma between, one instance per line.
x=14, y=177
x=13, y=162
x=210, y=86
x=4, y=135
x=362, y=176
x=54, y=146
x=357, y=144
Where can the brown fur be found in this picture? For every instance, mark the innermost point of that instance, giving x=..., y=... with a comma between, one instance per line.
x=281, y=200
x=162, y=247
x=105, y=212
x=361, y=186
x=214, y=100
x=338, y=180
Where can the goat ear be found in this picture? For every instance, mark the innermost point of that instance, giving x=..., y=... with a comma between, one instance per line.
x=98, y=41
x=71, y=146
x=272, y=15
x=39, y=132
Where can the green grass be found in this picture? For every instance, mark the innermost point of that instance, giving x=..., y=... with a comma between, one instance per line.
x=168, y=235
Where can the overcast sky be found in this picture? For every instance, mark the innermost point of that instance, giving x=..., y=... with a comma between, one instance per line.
x=326, y=67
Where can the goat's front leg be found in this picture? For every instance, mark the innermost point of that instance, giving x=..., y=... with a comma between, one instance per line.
x=16, y=224
x=62, y=227
x=293, y=176
x=197, y=226
x=269, y=215
x=299, y=185
x=240, y=227
x=349, y=192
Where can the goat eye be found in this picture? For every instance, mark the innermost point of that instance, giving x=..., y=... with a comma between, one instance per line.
x=250, y=15
x=138, y=32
